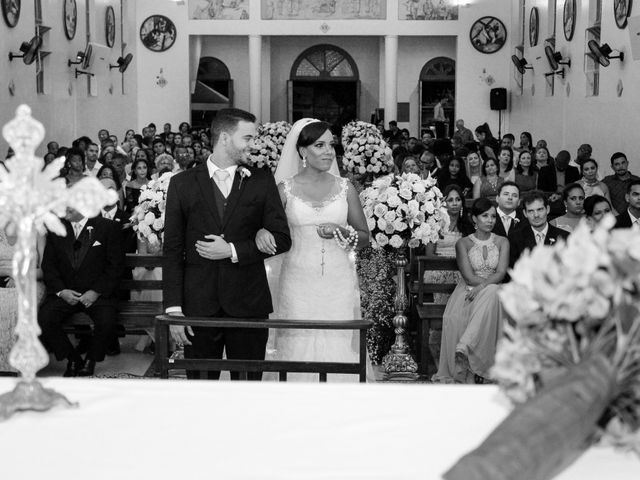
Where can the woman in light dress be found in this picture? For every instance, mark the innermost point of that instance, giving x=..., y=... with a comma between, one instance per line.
x=590, y=182
x=596, y=207
x=9, y=296
x=573, y=196
x=472, y=320
x=317, y=279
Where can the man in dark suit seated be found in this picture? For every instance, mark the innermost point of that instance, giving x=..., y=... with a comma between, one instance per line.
x=509, y=217
x=631, y=216
x=565, y=175
x=81, y=272
x=536, y=209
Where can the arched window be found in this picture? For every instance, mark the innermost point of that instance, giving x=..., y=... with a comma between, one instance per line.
x=324, y=62
x=439, y=69
x=213, y=91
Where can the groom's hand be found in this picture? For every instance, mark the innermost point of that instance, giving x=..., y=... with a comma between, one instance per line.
x=216, y=249
x=179, y=336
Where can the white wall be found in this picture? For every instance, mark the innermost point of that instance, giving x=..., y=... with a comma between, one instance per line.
x=570, y=117
x=66, y=109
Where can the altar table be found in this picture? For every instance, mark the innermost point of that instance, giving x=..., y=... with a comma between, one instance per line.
x=176, y=429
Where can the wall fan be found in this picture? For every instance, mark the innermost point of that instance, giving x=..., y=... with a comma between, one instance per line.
x=521, y=64
x=29, y=50
x=555, y=58
x=122, y=63
x=602, y=53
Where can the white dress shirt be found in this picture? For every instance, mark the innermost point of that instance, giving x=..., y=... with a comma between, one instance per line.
x=542, y=232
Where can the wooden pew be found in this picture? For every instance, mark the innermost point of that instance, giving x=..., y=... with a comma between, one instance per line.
x=430, y=314
x=164, y=363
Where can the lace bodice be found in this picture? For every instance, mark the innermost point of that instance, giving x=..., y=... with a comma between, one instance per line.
x=6, y=251
x=484, y=256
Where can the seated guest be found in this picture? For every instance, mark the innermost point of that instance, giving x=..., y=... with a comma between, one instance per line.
x=617, y=183
x=505, y=161
x=455, y=174
x=507, y=217
x=584, y=153
x=565, y=174
x=590, y=182
x=473, y=166
x=595, y=209
x=507, y=141
x=410, y=165
x=429, y=164
x=489, y=146
x=526, y=142
x=536, y=209
x=631, y=216
x=547, y=181
x=107, y=171
x=526, y=176
x=140, y=176
x=82, y=272
x=489, y=184
x=573, y=197
x=74, y=165
x=472, y=319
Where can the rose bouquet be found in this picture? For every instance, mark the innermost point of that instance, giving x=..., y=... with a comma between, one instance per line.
x=404, y=210
x=364, y=149
x=266, y=147
x=148, y=216
x=570, y=357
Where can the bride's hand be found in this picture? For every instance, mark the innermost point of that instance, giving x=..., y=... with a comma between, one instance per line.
x=265, y=242
x=325, y=230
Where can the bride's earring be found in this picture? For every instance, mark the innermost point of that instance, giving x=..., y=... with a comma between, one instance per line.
x=304, y=162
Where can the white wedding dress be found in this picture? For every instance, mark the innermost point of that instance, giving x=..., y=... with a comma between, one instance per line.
x=317, y=281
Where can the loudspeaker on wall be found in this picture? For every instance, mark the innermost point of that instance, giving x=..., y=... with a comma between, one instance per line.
x=498, y=99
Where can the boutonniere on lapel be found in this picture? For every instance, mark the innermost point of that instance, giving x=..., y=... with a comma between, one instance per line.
x=516, y=220
x=90, y=230
x=244, y=173
x=552, y=241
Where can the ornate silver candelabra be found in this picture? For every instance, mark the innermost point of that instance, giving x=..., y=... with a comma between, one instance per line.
x=31, y=200
x=398, y=363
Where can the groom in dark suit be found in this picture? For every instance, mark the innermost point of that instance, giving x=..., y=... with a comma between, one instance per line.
x=539, y=231
x=212, y=266
x=631, y=216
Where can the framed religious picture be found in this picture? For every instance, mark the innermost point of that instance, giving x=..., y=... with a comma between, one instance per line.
x=110, y=27
x=11, y=12
x=488, y=34
x=534, y=25
x=621, y=11
x=70, y=16
x=158, y=33
x=569, y=19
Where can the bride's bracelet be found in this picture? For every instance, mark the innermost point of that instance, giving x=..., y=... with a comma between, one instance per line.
x=346, y=243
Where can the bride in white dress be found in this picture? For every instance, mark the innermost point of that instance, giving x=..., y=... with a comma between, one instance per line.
x=317, y=279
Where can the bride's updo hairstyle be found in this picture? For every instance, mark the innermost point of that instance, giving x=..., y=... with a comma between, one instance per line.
x=310, y=133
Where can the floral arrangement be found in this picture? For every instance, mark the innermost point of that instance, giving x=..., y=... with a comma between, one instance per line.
x=404, y=210
x=148, y=216
x=570, y=359
x=267, y=146
x=364, y=149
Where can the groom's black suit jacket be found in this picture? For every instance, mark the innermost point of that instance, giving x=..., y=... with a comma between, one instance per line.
x=523, y=239
x=202, y=287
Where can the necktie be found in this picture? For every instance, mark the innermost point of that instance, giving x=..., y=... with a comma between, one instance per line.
x=539, y=238
x=506, y=219
x=221, y=180
x=77, y=228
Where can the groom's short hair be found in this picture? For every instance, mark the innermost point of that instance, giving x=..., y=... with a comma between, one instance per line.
x=226, y=120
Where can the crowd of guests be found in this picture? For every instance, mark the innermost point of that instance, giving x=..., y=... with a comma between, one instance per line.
x=520, y=196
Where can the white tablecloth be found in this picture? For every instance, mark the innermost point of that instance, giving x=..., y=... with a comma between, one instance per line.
x=154, y=429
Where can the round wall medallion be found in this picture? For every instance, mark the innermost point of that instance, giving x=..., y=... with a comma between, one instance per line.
x=488, y=34
x=110, y=27
x=569, y=18
x=11, y=12
x=621, y=11
x=70, y=16
x=158, y=33
x=534, y=24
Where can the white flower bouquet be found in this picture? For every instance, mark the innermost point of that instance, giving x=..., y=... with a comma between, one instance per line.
x=148, y=216
x=404, y=210
x=570, y=357
x=364, y=149
x=266, y=147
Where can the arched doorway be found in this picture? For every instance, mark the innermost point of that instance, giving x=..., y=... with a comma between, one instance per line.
x=437, y=79
x=324, y=85
x=214, y=91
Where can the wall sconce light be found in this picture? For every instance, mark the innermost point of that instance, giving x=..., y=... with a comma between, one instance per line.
x=521, y=64
x=79, y=59
x=602, y=53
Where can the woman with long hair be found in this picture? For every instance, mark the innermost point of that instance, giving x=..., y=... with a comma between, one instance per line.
x=526, y=172
x=489, y=145
x=590, y=182
x=596, y=207
x=140, y=176
x=489, y=184
x=573, y=196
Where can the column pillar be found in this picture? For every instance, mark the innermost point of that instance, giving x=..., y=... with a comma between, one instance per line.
x=255, y=76
x=390, y=78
